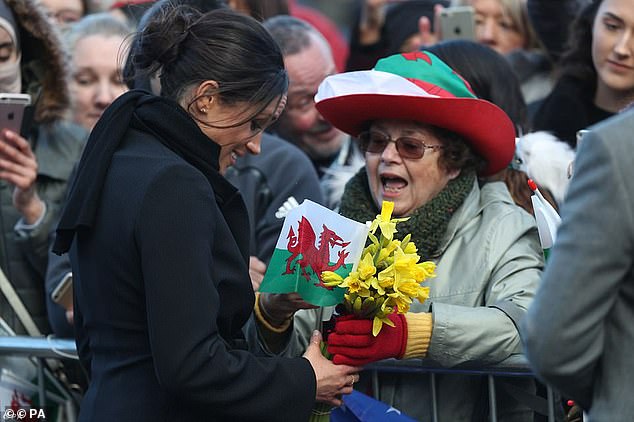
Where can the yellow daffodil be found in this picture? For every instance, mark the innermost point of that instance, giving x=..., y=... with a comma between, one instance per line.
x=429, y=269
x=331, y=279
x=410, y=248
x=388, y=277
x=356, y=285
x=405, y=263
x=386, y=280
x=400, y=301
x=385, y=222
x=366, y=267
x=407, y=287
x=374, y=283
x=423, y=294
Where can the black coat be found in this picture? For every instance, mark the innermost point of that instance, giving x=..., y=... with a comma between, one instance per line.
x=569, y=108
x=161, y=292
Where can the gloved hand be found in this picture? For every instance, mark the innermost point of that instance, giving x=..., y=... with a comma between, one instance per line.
x=351, y=342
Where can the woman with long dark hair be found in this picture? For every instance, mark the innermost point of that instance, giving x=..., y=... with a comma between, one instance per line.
x=596, y=71
x=158, y=238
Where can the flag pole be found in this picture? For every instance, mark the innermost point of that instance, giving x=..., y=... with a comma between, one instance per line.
x=319, y=324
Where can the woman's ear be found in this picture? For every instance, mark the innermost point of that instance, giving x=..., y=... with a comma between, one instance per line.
x=453, y=173
x=205, y=95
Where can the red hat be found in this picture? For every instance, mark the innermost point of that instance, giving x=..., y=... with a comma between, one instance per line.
x=420, y=87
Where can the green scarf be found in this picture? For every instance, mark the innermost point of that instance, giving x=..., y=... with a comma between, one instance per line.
x=427, y=224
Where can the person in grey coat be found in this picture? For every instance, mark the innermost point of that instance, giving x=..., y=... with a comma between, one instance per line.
x=578, y=333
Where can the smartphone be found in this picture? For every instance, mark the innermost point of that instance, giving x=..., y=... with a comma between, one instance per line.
x=63, y=293
x=457, y=22
x=12, y=107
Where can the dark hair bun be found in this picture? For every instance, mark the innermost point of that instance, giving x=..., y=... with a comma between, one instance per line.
x=162, y=39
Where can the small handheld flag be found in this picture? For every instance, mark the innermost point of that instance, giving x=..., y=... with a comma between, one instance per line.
x=314, y=239
x=547, y=218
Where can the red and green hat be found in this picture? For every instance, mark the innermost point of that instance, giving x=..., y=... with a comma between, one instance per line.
x=418, y=86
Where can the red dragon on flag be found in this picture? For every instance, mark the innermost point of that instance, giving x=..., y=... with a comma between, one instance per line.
x=303, y=252
x=315, y=257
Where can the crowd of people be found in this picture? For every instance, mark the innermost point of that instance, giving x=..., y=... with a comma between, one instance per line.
x=164, y=137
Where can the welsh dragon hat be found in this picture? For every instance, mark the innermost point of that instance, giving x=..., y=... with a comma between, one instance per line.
x=418, y=86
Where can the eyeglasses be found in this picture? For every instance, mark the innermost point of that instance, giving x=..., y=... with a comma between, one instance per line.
x=376, y=142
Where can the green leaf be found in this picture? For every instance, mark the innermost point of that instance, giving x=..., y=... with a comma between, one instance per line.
x=377, y=324
x=324, y=350
x=373, y=238
x=388, y=321
x=405, y=241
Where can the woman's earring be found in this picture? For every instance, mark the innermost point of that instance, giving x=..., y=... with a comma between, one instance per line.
x=203, y=110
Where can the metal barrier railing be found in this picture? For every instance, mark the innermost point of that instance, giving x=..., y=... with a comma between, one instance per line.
x=39, y=350
x=40, y=347
x=514, y=366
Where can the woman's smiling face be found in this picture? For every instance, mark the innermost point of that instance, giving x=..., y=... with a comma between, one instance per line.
x=225, y=125
x=409, y=183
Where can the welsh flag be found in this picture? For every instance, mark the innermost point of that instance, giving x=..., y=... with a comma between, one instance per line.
x=547, y=219
x=314, y=239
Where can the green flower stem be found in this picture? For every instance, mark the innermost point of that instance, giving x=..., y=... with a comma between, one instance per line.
x=320, y=412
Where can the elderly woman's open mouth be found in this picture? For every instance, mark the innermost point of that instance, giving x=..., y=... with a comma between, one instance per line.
x=393, y=184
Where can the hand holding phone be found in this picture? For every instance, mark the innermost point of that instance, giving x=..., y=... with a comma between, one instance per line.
x=12, y=107
x=19, y=165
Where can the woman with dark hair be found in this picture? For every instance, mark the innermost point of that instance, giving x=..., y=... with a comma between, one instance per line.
x=596, y=75
x=158, y=238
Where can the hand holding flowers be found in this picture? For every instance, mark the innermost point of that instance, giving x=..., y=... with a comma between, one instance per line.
x=379, y=292
x=352, y=341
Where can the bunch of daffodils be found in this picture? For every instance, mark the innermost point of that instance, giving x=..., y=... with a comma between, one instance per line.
x=388, y=277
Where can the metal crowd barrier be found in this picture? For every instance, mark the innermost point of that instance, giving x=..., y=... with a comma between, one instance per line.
x=514, y=366
x=40, y=350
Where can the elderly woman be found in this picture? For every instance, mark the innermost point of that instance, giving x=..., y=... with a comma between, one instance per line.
x=426, y=138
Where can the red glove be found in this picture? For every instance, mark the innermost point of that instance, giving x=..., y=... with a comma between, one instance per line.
x=351, y=342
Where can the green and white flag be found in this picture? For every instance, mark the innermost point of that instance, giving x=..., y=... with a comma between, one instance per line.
x=314, y=239
x=547, y=219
